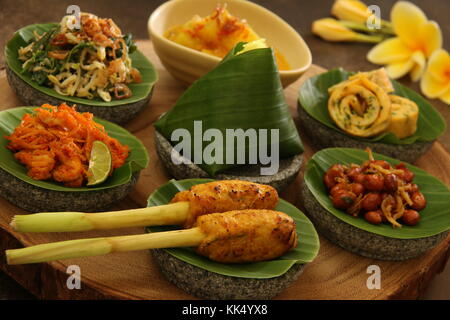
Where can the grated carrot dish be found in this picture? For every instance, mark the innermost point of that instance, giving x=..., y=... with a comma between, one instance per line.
x=55, y=144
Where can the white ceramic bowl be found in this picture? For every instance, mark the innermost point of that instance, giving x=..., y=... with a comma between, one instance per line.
x=188, y=65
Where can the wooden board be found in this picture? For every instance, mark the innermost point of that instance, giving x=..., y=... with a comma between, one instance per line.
x=334, y=274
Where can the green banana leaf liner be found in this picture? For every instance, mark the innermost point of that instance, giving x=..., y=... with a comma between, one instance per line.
x=23, y=36
x=435, y=218
x=305, y=252
x=313, y=98
x=243, y=92
x=137, y=158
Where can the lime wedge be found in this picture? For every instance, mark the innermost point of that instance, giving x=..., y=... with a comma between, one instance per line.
x=100, y=163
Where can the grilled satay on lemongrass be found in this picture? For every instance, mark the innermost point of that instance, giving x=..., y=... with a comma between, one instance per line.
x=186, y=206
x=231, y=237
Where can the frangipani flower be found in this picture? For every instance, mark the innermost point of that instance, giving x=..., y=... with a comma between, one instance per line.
x=436, y=80
x=357, y=12
x=332, y=30
x=417, y=39
x=351, y=10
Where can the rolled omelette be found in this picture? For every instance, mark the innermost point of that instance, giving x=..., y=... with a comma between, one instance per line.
x=405, y=114
x=360, y=107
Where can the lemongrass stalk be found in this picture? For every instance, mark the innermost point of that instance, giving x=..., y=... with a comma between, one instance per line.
x=170, y=214
x=101, y=246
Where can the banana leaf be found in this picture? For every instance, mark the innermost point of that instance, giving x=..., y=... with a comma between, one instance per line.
x=137, y=159
x=23, y=36
x=243, y=92
x=435, y=218
x=306, y=251
x=313, y=98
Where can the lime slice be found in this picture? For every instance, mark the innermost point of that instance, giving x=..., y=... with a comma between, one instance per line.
x=100, y=163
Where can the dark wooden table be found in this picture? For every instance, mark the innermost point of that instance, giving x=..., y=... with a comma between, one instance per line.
x=132, y=17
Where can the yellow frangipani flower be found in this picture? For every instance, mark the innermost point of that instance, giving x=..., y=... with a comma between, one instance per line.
x=355, y=13
x=332, y=30
x=351, y=10
x=417, y=39
x=436, y=80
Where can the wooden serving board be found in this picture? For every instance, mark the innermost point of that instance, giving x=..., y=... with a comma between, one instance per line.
x=334, y=274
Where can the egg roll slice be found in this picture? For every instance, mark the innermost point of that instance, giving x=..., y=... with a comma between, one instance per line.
x=405, y=114
x=360, y=107
x=381, y=78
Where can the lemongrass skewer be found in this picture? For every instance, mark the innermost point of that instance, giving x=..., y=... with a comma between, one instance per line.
x=101, y=246
x=170, y=214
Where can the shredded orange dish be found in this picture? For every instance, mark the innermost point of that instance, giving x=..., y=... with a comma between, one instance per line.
x=55, y=144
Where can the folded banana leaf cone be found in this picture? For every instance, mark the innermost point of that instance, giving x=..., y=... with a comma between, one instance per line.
x=244, y=93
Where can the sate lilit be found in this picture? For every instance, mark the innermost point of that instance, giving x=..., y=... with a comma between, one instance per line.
x=226, y=195
x=186, y=206
x=231, y=237
x=246, y=235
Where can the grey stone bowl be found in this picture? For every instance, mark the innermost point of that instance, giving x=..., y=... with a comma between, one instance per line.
x=209, y=285
x=32, y=97
x=37, y=199
x=287, y=173
x=322, y=137
x=362, y=242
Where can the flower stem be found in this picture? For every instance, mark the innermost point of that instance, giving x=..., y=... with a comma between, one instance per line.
x=386, y=27
x=369, y=38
